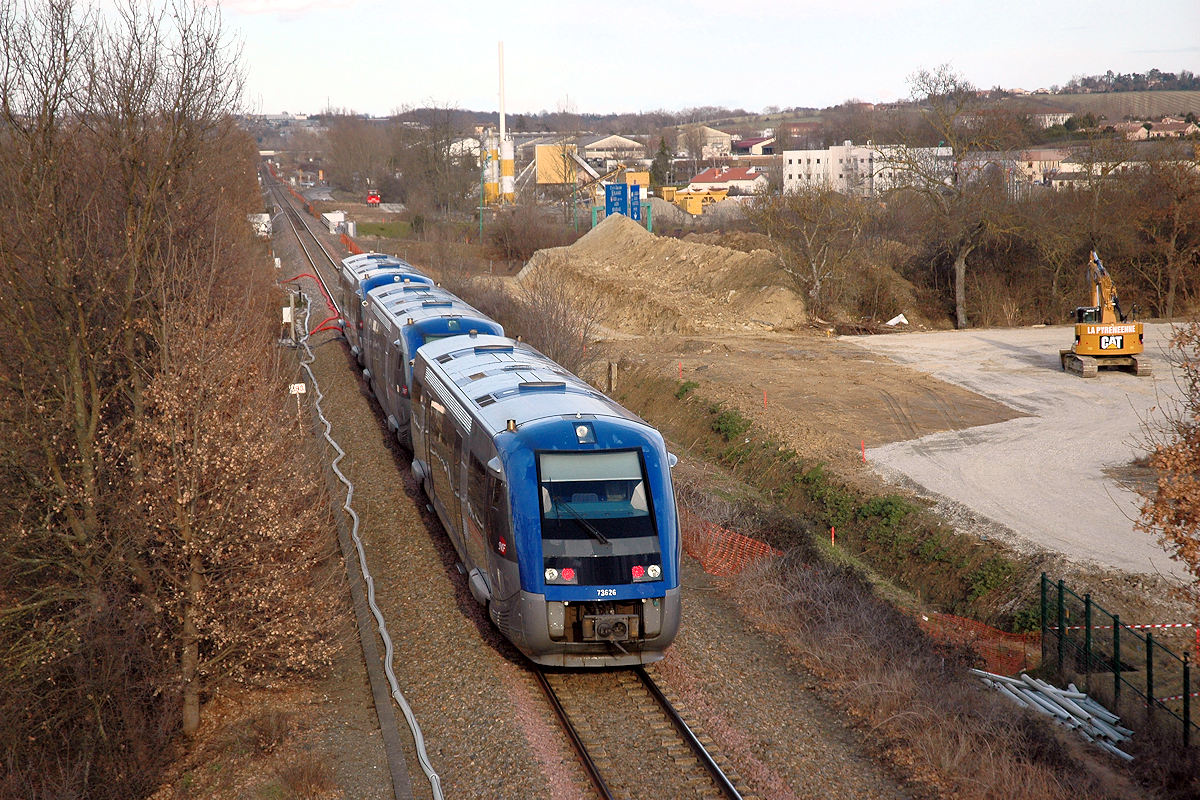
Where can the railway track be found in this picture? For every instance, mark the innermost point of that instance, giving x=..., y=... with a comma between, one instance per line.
x=631, y=739
x=310, y=243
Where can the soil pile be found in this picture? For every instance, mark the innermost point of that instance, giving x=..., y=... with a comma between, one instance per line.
x=642, y=284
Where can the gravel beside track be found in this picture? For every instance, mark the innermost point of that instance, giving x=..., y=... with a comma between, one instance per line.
x=768, y=717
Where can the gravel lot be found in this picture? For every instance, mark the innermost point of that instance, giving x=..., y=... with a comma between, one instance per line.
x=1047, y=477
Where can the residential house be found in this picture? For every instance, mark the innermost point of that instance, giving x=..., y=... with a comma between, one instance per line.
x=741, y=180
x=755, y=146
x=1132, y=131
x=799, y=133
x=1038, y=164
x=711, y=142
x=1171, y=130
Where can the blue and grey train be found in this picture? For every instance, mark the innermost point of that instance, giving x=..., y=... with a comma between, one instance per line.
x=361, y=273
x=558, y=501
x=397, y=319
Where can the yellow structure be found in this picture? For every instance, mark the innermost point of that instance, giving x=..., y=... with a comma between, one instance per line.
x=637, y=177
x=556, y=163
x=694, y=202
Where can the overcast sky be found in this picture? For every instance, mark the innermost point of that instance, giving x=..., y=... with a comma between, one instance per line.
x=375, y=56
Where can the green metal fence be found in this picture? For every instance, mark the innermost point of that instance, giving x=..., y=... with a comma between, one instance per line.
x=1080, y=638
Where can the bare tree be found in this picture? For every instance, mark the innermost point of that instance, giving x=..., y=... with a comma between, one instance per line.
x=816, y=232
x=437, y=174
x=962, y=180
x=359, y=153
x=1168, y=220
x=126, y=184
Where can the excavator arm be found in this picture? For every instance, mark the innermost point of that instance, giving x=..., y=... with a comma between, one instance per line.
x=1106, y=292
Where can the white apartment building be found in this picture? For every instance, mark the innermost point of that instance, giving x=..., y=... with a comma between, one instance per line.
x=863, y=170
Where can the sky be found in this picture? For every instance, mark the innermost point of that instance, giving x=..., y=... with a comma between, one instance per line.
x=378, y=56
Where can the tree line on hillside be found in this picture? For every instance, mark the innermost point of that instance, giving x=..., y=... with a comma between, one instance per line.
x=152, y=495
x=1152, y=80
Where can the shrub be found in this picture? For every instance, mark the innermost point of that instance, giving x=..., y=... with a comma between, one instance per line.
x=988, y=576
x=729, y=422
x=685, y=389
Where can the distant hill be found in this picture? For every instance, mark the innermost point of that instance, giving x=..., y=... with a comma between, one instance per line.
x=1115, y=106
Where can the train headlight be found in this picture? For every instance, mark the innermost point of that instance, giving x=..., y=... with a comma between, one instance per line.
x=551, y=574
x=585, y=433
x=654, y=571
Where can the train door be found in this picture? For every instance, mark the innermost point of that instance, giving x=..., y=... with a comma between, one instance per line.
x=388, y=379
x=367, y=342
x=376, y=347
x=474, y=495
x=397, y=386
x=444, y=440
x=344, y=297
x=457, y=488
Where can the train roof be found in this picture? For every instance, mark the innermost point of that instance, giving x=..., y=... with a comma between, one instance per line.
x=499, y=379
x=415, y=301
x=360, y=264
x=385, y=276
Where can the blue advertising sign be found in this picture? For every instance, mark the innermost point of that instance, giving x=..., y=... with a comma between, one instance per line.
x=635, y=203
x=616, y=199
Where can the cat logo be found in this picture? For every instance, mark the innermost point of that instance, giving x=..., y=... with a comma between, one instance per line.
x=1112, y=342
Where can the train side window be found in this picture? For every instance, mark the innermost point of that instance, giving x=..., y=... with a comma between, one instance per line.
x=417, y=391
x=477, y=492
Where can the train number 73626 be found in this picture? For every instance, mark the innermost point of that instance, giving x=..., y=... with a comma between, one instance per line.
x=606, y=592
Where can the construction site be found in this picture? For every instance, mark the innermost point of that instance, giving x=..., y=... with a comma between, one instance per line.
x=985, y=425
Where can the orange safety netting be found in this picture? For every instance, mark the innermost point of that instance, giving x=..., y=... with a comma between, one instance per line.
x=351, y=245
x=724, y=552
x=1004, y=653
x=719, y=550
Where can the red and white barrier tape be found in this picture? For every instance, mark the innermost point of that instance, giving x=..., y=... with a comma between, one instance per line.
x=1109, y=627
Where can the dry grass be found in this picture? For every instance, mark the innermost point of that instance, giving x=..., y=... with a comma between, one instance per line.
x=914, y=697
x=308, y=780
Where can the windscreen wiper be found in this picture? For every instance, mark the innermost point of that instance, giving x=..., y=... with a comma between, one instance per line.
x=583, y=523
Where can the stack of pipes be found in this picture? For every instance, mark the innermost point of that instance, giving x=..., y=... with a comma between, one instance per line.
x=1068, y=707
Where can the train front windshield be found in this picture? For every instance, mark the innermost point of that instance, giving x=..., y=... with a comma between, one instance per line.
x=597, y=519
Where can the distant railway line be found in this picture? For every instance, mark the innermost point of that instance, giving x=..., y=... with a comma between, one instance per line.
x=310, y=243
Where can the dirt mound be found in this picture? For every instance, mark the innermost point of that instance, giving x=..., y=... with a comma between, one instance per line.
x=643, y=284
x=745, y=241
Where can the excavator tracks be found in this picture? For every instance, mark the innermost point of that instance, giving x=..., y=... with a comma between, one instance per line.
x=1089, y=366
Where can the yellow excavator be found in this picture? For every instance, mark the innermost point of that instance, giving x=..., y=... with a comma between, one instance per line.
x=1104, y=337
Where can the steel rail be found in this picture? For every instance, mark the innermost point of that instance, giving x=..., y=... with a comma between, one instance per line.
x=293, y=217
x=580, y=747
x=722, y=780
